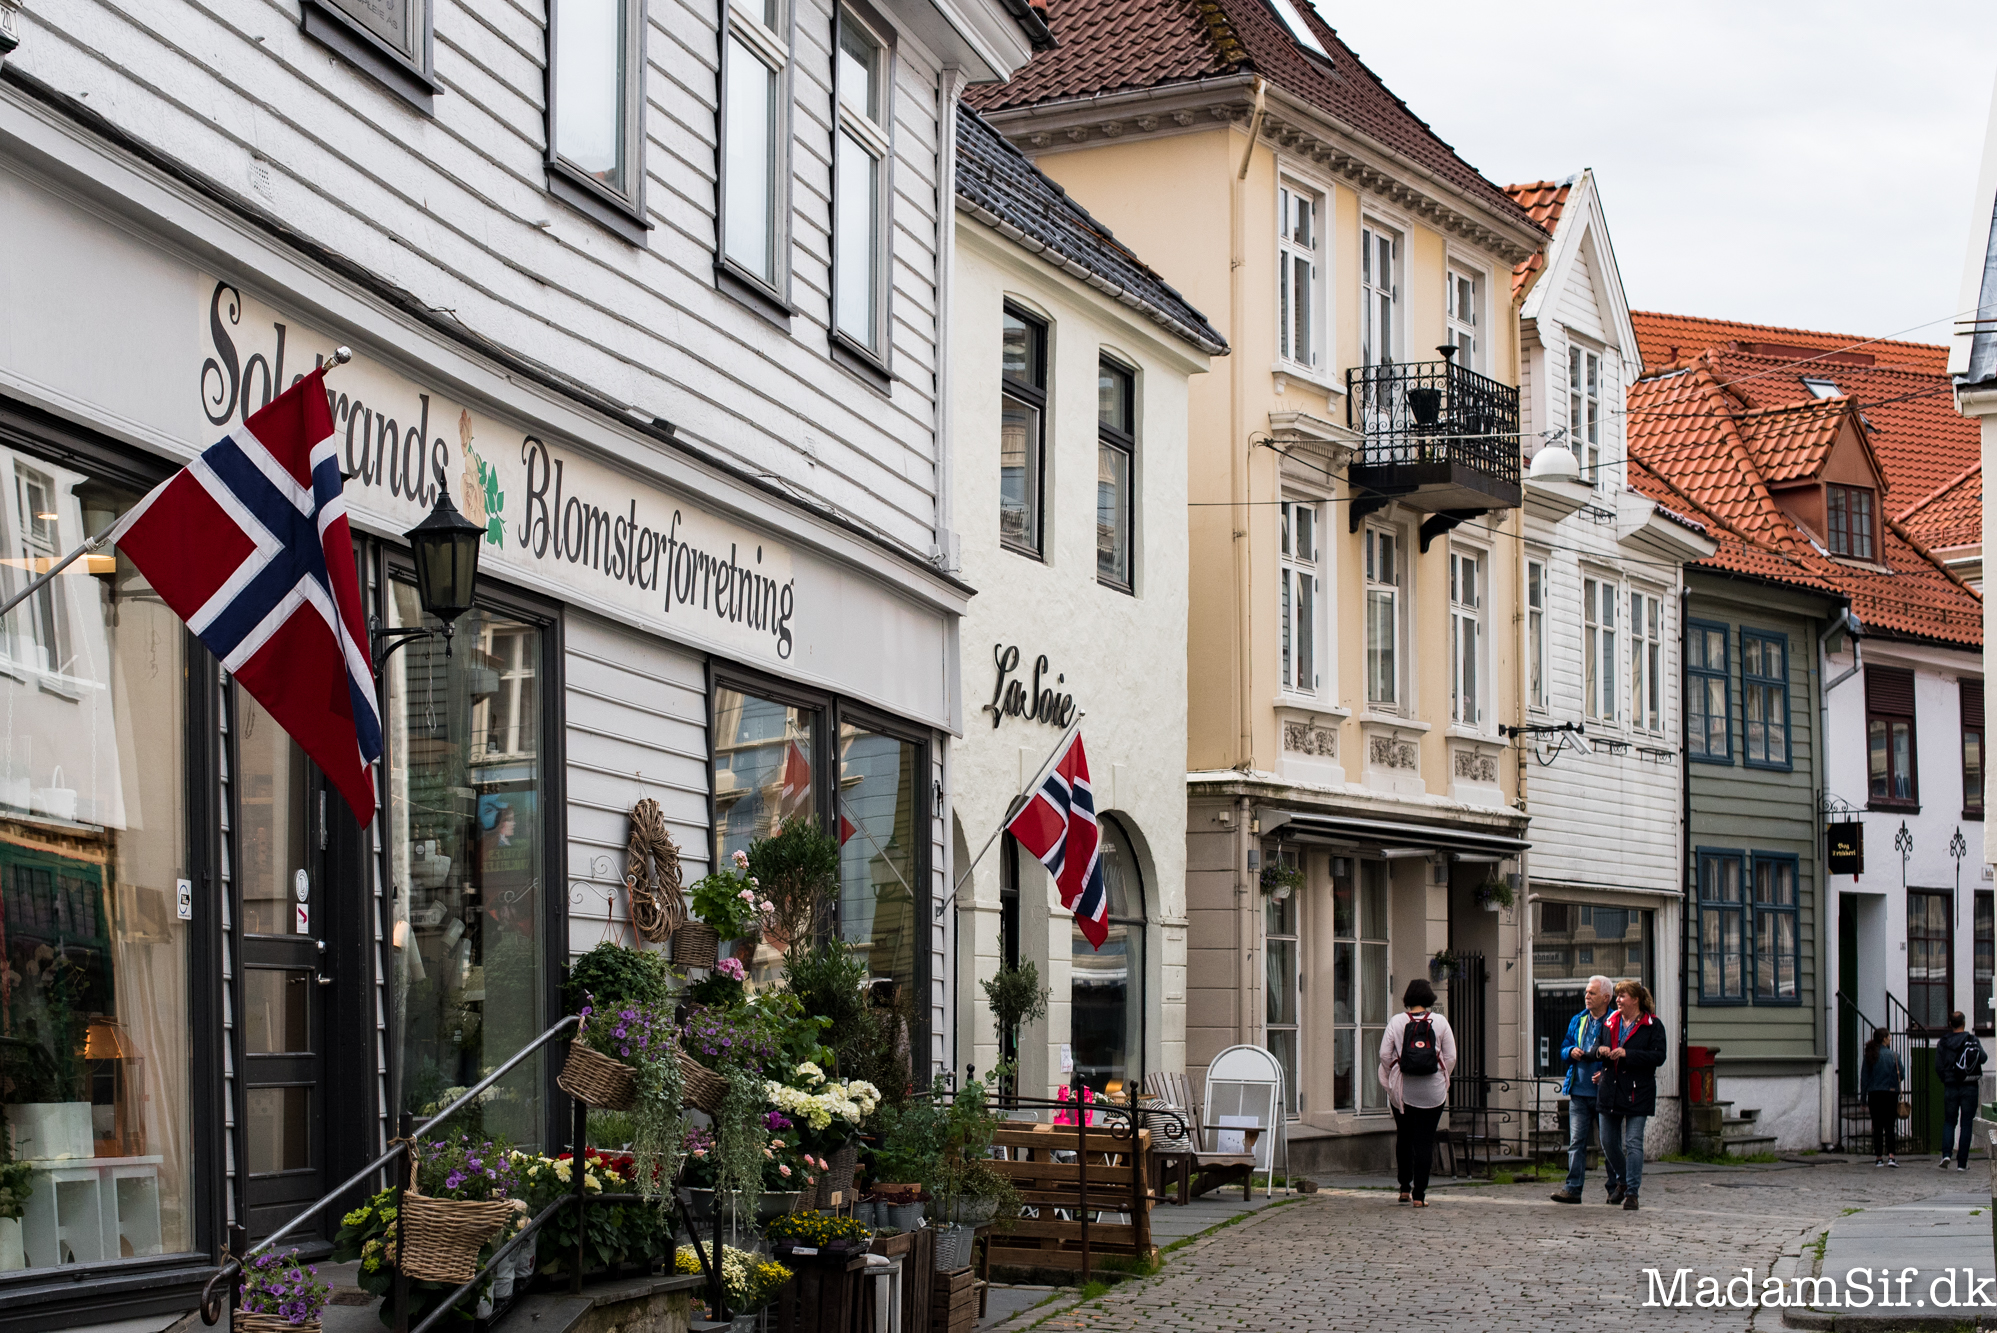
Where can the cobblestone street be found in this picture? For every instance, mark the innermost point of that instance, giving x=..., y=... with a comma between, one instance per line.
x=1502, y=1256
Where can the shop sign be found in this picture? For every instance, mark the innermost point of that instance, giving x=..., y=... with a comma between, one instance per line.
x=1035, y=701
x=554, y=518
x=1846, y=841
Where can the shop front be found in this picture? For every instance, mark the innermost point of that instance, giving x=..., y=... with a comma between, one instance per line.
x=218, y=988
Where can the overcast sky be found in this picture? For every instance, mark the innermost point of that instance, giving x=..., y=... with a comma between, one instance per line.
x=1808, y=165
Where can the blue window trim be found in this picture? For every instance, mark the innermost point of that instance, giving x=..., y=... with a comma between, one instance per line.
x=1725, y=673
x=1700, y=855
x=1755, y=910
x=1767, y=637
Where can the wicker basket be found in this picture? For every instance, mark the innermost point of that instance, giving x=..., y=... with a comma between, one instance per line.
x=705, y=1089
x=245, y=1322
x=594, y=1079
x=839, y=1179
x=441, y=1238
x=695, y=944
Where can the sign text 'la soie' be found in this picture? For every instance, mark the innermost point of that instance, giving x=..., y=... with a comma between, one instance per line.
x=542, y=514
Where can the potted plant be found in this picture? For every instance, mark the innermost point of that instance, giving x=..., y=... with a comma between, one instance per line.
x=278, y=1295
x=1494, y=893
x=1441, y=966
x=730, y=906
x=816, y=1233
x=628, y=1058
x=45, y=1090
x=611, y=974
x=748, y=1281
x=796, y=869
x=1280, y=879
x=1016, y=999
x=14, y=1192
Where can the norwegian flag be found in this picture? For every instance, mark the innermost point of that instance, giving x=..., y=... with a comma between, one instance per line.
x=1058, y=825
x=249, y=545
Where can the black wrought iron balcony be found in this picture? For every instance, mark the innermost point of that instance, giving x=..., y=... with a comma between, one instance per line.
x=1439, y=437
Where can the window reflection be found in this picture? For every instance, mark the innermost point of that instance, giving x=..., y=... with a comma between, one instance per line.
x=877, y=829
x=1107, y=984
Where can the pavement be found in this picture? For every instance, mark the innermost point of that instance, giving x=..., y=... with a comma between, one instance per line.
x=1486, y=1256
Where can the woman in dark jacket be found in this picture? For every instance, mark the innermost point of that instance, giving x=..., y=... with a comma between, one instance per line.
x=1879, y=1079
x=1626, y=1094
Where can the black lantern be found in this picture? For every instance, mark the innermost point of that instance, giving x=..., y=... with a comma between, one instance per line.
x=445, y=547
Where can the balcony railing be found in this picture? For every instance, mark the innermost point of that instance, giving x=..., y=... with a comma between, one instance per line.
x=1438, y=436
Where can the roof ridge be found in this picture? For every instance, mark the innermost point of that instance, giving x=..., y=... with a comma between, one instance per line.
x=1940, y=491
x=1920, y=548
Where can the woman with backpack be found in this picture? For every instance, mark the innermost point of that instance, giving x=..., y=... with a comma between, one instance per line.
x=1879, y=1079
x=1416, y=1055
x=1633, y=1048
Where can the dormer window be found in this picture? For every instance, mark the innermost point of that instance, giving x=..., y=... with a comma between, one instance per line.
x=1823, y=388
x=1849, y=513
x=1287, y=11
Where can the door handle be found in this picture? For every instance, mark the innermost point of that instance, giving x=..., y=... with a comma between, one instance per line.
x=323, y=981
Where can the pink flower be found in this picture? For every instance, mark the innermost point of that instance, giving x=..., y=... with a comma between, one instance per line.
x=769, y=906
x=784, y=1171
x=747, y=895
x=741, y=860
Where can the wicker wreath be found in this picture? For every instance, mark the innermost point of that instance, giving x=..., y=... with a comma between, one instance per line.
x=652, y=875
x=594, y=1079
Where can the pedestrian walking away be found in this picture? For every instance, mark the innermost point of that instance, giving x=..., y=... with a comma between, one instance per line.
x=1959, y=1060
x=1416, y=1055
x=1584, y=1034
x=1632, y=1048
x=1879, y=1079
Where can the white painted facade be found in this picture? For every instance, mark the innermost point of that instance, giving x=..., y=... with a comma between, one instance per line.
x=1120, y=655
x=1606, y=803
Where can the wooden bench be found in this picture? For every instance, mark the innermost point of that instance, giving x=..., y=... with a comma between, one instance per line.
x=1200, y=1168
x=1103, y=1174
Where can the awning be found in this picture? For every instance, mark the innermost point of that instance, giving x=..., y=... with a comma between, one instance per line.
x=1307, y=826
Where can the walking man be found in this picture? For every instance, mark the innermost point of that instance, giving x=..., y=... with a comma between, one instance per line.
x=1960, y=1062
x=1584, y=1035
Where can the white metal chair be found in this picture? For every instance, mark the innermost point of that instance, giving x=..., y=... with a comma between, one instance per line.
x=1244, y=1095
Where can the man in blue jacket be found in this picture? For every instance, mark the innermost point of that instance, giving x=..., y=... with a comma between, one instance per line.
x=1584, y=1032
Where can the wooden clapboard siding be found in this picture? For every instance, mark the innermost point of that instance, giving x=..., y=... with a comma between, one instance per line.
x=635, y=726
x=1736, y=807
x=450, y=207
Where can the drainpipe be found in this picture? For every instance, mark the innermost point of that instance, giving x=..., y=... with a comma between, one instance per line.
x=1686, y=872
x=1244, y=921
x=1238, y=461
x=1827, y=1090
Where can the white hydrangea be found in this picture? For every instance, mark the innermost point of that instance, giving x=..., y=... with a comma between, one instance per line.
x=810, y=1072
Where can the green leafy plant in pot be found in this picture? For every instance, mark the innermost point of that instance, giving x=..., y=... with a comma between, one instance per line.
x=1016, y=998
x=797, y=869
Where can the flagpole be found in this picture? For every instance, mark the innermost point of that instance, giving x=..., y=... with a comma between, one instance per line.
x=1012, y=807
x=340, y=357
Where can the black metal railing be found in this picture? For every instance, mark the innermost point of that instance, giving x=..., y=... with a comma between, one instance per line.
x=1434, y=412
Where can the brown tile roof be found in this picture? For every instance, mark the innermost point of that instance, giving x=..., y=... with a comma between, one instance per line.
x=1666, y=339
x=1950, y=516
x=1543, y=202
x=1697, y=445
x=1122, y=45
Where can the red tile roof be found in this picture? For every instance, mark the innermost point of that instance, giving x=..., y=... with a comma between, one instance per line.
x=1120, y=45
x=1665, y=339
x=1699, y=446
x=1543, y=202
x=1950, y=516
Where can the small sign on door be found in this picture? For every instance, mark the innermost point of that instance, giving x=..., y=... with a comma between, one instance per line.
x=1067, y=1058
x=183, y=899
x=304, y=919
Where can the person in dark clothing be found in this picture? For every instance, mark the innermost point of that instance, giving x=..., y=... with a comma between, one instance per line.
x=1417, y=1053
x=1879, y=1078
x=1633, y=1047
x=1960, y=1063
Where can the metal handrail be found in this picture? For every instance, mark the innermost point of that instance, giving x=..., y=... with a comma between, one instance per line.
x=211, y=1306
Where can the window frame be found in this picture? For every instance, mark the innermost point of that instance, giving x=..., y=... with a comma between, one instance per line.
x=1762, y=681
x=1288, y=253
x=410, y=75
x=1395, y=590
x=1033, y=395
x=1947, y=941
x=1372, y=231
x=1584, y=410
x=1647, y=709
x=1467, y=660
x=619, y=212
x=876, y=138
x=1757, y=910
x=1874, y=715
x=1841, y=533
x=1456, y=327
x=776, y=52
x=1537, y=688
x=1982, y=954
x=1601, y=653
x=1739, y=908
x=1111, y=439
x=1292, y=571
x=1974, y=771
x=1293, y=910
x=1722, y=673
x=1357, y=941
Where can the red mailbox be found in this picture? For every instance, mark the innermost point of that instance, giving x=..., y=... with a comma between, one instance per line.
x=1699, y=1062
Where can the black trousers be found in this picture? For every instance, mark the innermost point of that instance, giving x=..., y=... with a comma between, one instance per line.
x=1414, y=1145
x=1885, y=1106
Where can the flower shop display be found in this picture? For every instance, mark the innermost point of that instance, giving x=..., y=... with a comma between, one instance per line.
x=796, y=868
x=444, y=1231
x=748, y=1281
x=818, y=1231
x=279, y=1294
x=728, y=902
x=612, y=973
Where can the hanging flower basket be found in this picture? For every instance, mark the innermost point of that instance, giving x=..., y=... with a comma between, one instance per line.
x=270, y=1323
x=441, y=1238
x=595, y=1079
x=839, y=1179
x=695, y=944
x=705, y=1089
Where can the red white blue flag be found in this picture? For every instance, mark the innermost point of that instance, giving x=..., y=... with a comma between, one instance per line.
x=249, y=545
x=1058, y=825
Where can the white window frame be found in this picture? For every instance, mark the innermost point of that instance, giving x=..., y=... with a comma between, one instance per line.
x=1376, y=295
x=1363, y=1026
x=1392, y=593
x=1538, y=687
x=1469, y=594
x=1648, y=624
x=1463, y=313
x=1584, y=410
x=1601, y=657
x=1112, y=440
x=42, y=540
x=872, y=138
x=764, y=38
x=1308, y=353
x=569, y=179
x=1301, y=620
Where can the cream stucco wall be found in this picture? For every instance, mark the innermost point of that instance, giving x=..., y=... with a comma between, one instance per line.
x=1121, y=655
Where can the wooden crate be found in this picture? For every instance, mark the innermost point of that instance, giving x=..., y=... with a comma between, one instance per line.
x=953, y=1302
x=917, y=1252
x=825, y=1296
x=1116, y=1181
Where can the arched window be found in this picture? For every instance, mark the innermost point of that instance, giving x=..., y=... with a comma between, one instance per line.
x=1107, y=984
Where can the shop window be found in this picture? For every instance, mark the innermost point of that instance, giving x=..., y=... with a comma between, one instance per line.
x=1360, y=891
x=97, y=1057
x=1116, y=449
x=1572, y=942
x=882, y=827
x=765, y=775
x=1764, y=699
x=1022, y=431
x=1722, y=929
x=1982, y=1017
x=1971, y=694
x=861, y=205
x=1930, y=959
x=1107, y=984
x=1708, y=701
x=596, y=103
x=1281, y=985
x=1775, y=930
x=468, y=847
x=1891, y=751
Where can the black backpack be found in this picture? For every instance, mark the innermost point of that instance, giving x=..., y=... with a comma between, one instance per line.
x=1968, y=1061
x=1418, y=1053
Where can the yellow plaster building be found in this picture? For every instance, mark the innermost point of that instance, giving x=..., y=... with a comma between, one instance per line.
x=1355, y=576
